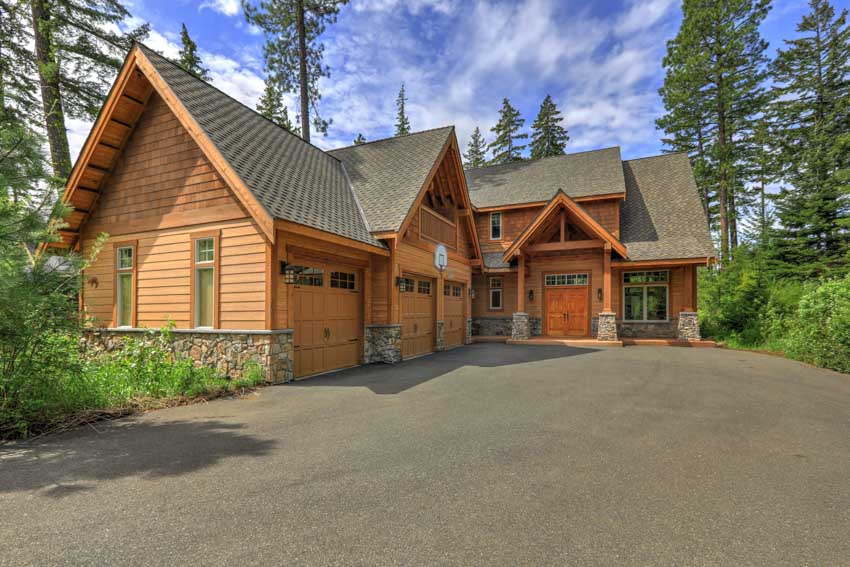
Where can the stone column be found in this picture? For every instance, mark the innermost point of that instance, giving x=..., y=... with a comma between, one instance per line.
x=382, y=344
x=688, y=326
x=441, y=343
x=467, y=339
x=607, y=326
x=520, y=331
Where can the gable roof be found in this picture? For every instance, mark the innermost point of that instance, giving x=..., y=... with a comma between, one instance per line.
x=662, y=217
x=291, y=179
x=387, y=175
x=584, y=220
x=584, y=174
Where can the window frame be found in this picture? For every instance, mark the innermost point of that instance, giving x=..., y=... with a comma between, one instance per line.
x=498, y=215
x=342, y=277
x=419, y=285
x=566, y=276
x=644, y=285
x=195, y=267
x=495, y=286
x=134, y=280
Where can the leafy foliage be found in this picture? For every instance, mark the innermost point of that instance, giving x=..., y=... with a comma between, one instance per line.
x=402, y=123
x=188, y=56
x=505, y=147
x=548, y=137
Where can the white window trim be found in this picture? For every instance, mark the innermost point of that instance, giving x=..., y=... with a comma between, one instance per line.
x=645, y=285
x=501, y=306
x=203, y=265
x=125, y=271
x=565, y=274
x=501, y=232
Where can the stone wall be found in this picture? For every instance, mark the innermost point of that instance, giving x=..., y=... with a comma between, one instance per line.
x=535, y=326
x=606, y=325
x=688, y=327
x=467, y=339
x=382, y=344
x=227, y=351
x=520, y=330
x=440, y=340
x=660, y=330
x=492, y=326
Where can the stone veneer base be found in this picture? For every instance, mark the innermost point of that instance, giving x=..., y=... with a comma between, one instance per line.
x=382, y=344
x=520, y=330
x=228, y=351
x=688, y=327
x=606, y=324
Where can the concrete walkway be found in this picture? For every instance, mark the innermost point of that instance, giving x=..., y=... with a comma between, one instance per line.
x=484, y=455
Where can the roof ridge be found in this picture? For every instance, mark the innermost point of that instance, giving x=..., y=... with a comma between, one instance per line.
x=392, y=138
x=658, y=156
x=529, y=160
x=234, y=99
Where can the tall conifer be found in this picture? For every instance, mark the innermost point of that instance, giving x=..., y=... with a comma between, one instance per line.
x=548, y=137
x=402, y=124
x=188, y=55
x=476, y=150
x=504, y=146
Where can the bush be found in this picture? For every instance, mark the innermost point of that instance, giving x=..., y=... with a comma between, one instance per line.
x=820, y=333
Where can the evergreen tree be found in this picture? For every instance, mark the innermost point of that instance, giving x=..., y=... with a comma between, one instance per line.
x=293, y=52
x=811, y=78
x=548, y=137
x=402, y=124
x=18, y=86
x=359, y=139
x=76, y=55
x=189, y=58
x=716, y=66
x=476, y=150
x=272, y=106
x=504, y=147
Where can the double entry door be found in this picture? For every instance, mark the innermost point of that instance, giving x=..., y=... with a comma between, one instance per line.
x=566, y=311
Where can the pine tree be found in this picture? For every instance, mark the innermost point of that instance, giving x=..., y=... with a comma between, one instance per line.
x=716, y=66
x=402, y=124
x=293, y=52
x=18, y=86
x=548, y=137
x=272, y=106
x=189, y=58
x=504, y=146
x=76, y=55
x=811, y=92
x=476, y=150
x=359, y=139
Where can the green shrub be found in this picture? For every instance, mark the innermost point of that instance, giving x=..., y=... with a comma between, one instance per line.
x=820, y=332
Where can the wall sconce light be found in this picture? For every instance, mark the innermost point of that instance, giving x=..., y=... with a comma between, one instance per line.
x=399, y=281
x=599, y=294
x=289, y=272
x=530, y=295
x=472, y=293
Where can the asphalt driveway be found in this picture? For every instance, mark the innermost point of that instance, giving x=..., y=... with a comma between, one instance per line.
x=484, y=455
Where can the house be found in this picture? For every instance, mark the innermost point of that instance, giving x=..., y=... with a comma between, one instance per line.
x=259, y=246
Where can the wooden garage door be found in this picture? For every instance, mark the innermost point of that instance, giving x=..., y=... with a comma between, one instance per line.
x=418, y=321
x=328, y=328
x=453, y=318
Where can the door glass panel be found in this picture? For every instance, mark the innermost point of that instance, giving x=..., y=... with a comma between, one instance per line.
x=633, y=304
x=125, y=300
x=656, y=303
x=204, y=298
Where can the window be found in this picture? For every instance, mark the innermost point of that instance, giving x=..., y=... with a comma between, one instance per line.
x=447, y=289
x=645, y=296
x=406, y=285
x=124, y=284
x=566, y=279
x=457, y=291
x=495, y=226
x=495, y=293
x=343, y=280
x=425, y=287
x=314, y=277
x=205, y=282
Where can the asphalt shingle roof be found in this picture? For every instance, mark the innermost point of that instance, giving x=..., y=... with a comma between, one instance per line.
x=583, y=174
x=388, y=174
x=663, y=217
x=292, y=179
x=494, y=260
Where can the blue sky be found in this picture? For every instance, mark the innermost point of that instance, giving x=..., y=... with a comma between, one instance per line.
x=600, y=61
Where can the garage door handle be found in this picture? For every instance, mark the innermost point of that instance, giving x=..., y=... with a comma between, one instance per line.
x=415, y=328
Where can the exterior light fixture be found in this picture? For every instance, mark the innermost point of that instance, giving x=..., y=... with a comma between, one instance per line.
x=531, y=295
x=599, y=294
x=399, y=281
x=472, y=293
x=289, y=272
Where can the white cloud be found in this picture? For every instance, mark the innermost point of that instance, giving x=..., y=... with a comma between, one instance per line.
x=226, y=7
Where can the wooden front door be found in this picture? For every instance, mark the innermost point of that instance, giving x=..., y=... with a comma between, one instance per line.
x=328, y=328
x=418, y=317
x=566, y=311
x=454, y=324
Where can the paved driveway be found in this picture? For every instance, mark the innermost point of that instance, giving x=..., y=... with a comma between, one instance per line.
x=483, y=455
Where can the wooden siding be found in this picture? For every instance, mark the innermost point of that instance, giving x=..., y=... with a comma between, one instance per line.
x=481, y=303
x=164, y=269
x=514, y=222
x=162, y=180
x=605, y=212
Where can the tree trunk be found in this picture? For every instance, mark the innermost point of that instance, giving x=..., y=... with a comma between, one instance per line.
x=733, y=222
x=722, y=181
x=302, y=70
x=51, y=96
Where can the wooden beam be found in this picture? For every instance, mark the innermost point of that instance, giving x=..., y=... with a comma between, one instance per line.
x=606, y=278
x=98, y=168
x=563, y=225
x=520, y=285
x=567, y=245
x=328, y=237
x=133, y=99
x=121, y=123
x=87, y=189
x=627, y=264
x=689, y=287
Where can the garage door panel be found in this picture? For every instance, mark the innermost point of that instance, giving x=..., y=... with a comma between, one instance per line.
x=418, y=319
x=453, y=323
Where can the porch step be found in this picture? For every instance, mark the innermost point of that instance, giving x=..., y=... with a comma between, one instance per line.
x=670, y=342
x=548, y=341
